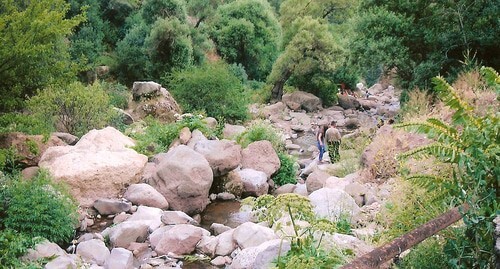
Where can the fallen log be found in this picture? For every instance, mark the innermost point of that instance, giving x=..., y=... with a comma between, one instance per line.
x=380, y=255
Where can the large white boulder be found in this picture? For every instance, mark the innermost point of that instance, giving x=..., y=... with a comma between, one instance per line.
x=100, y=165
x=254, y=182
x=93, y=251
x=260, y=257
x=333, y=203
x=184, y=178
x=250, y=234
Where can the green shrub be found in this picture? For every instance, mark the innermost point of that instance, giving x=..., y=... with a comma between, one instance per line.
x=286, y=174
x=259, y=131
x=211, y=88
x=39, y=208
x=426, y=255
x=118, y=94
x=75, y=109
x=157, y=136
x=24, y=123
x=9, y=160
x=13, y=245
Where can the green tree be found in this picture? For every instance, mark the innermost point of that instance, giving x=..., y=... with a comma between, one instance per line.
x=169, y=46
x=156, y=9
x=34, y=52
x=333, y=11
x=471, y=144
x=75, y=108
x=379, y=39
x=132, y=59
x=203, y=10
x=248, y=33
x=211, y=88
x=434, y=39
x=310, y=48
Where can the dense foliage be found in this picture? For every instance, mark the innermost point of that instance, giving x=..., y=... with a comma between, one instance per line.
x=248, y=33
x=212, y=88
x=34, y=52
x=75, y=109
x=470, y=143
x=37, y=208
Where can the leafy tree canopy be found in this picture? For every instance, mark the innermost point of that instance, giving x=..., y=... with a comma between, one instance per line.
x=311, y=47
x=34, y=52
x=155, y=9
x=248, y=33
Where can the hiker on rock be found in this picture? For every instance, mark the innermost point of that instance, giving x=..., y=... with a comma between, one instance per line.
x=333, y=139
x=320, y=139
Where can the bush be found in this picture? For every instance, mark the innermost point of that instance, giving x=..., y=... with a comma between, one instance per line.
x=158, y=136
x=75, y=109
x=118, y=94
x=24, y=123
x=13, y=245
x=426, y=255
x=211, y=88
x=286, y=174
x=259, y=131
x=38, y=208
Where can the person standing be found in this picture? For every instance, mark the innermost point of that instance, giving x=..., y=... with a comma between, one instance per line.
x=320, y=139
x=333, y=139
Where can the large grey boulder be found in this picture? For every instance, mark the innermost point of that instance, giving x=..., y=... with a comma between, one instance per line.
x=127, y=232
x=111, y=206
x=144, y=194
x=231, y=131
x=222, y=155
x=261, y=156
x=148, y=215
x=99, y=166
x=260, y=257
x=348, y=102
x=145, y=89
x=307, y=101
x=184, y=178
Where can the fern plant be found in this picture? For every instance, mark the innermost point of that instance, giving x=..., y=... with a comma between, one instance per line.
x=471, y=143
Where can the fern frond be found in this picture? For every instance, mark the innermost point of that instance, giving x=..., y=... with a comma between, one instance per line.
x=463, y=111
x=428, y=181
x=445, y=153
x=491, y=76
x=434, y=128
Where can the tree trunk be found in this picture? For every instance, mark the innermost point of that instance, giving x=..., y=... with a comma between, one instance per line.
x=277, y=91
x=380, y=255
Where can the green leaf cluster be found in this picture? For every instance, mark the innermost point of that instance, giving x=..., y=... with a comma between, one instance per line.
x=287, y=172
x=471, y=144
x=260, y=130
x=211, y=88
x=74, y=108
x=157, y=137
x=38, y=208
x=247, y=32
x=297, y=209
x=34, y=51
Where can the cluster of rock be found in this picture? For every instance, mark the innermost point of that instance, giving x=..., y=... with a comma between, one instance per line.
x=155, y=204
